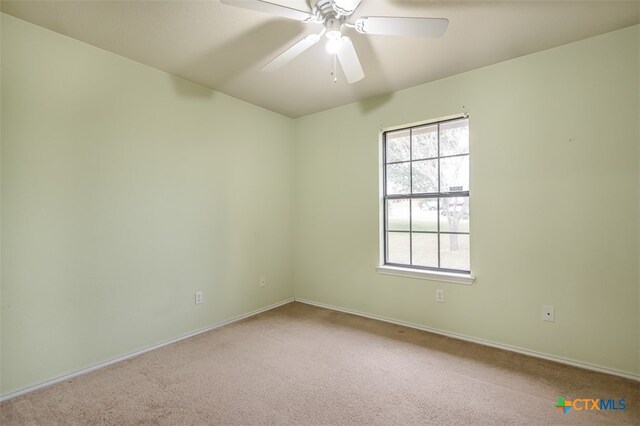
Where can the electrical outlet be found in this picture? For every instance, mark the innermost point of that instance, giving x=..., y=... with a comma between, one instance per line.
x=440, y=295
x=263, y=281
x=199, y=297
x=548, y=313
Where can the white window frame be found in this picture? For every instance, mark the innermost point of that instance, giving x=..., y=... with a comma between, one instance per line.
x=407, y=272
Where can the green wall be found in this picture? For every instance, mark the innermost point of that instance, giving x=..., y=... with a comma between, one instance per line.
x=554, y=204
x=125, y=190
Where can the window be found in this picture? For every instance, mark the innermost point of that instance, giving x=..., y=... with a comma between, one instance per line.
x=426, y=197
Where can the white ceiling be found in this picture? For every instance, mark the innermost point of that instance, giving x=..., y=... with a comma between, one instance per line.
x=223, y=47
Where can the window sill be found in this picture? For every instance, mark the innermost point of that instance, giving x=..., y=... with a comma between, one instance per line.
x=448, y=277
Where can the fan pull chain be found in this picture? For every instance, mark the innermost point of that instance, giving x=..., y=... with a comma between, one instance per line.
x=334, y=74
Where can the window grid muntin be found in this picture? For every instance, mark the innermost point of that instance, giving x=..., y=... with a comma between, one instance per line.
x=439, y=190
x=411, y=196
x=411, y=191
x=428, y=158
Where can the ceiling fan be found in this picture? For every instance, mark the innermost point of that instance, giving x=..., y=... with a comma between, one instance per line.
x=334, y=15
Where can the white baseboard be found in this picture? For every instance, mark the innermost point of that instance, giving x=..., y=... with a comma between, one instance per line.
x=484, y=342
x=68, y=376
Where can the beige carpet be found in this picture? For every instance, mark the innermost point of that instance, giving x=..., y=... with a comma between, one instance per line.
x=304, y=365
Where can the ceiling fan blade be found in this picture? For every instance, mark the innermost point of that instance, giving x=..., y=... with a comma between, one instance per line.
x=271, y=8
x=416, y=27
x=288, y=55
x=349, y=61
x=345, y=7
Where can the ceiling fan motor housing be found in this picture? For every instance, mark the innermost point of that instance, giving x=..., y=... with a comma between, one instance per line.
x=321, y=9
x=326, y=10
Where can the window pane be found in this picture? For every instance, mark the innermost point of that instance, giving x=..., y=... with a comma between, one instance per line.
x=424, y=214
x=429, y=162
x=398, y=146
x=398, y=247
x=454, y=137
x=425, y=249
x=398, y=178
x=425, y=176
x=425, y=142
x=454, y=251
x=454, y=214
x=454, y=174
x=398, y=215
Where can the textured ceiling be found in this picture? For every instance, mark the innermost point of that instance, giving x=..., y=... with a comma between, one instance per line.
x=223, y=47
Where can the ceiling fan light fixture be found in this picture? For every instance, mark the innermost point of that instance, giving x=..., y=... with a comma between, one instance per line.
x=333, y=45
x=333, y=35
x=333, y=27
